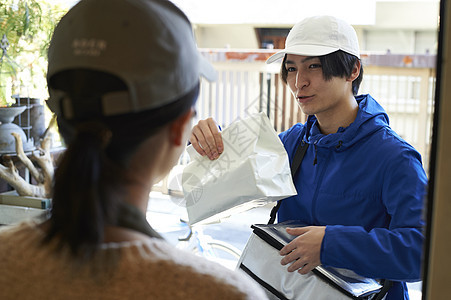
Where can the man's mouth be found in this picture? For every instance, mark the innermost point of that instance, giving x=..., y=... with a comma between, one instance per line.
x=302, y=99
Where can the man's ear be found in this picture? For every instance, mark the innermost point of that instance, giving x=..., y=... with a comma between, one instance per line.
x=177, y=127
x=355, y=71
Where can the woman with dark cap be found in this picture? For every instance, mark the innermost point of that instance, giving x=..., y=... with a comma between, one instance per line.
x=123, y=78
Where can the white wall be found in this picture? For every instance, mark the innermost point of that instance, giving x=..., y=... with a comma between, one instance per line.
x=407, y=14
x=399, y=41
x=426, y=41
x=222, y=36
x=404, y=27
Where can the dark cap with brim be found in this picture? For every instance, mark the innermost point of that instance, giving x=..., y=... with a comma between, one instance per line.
x=148, y=44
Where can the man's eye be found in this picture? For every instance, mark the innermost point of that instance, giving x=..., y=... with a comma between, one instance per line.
x=291, y=69
x=314, y=66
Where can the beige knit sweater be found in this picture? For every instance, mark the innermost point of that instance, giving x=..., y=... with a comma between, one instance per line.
x=150, y=269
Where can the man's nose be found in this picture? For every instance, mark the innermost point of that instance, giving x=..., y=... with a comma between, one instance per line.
x=301, y=80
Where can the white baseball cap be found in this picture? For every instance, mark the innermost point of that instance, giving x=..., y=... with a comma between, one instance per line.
x=149, y=44
x=320, y=35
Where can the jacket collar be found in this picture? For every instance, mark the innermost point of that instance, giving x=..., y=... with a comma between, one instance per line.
x=370, y=117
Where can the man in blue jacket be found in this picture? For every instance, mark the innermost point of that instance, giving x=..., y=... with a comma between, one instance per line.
x=360, y=186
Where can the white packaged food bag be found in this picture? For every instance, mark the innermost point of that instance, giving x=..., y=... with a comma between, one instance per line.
x=252, y=171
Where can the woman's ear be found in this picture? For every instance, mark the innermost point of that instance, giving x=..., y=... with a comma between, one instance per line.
x=355, y=71
x=179, y=127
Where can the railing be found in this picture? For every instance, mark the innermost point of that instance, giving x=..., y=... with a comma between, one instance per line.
x=403, y=84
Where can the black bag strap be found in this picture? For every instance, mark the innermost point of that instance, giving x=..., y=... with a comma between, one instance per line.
x=295, y=163
x=386, y=285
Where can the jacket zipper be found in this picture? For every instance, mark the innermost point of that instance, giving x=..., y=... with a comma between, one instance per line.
x=321, y=176
x=315, y=160
x=318, y=186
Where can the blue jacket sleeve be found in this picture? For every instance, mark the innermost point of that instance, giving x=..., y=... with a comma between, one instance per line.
x=394, y=252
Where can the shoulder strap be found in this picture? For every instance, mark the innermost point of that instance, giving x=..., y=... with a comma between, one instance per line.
x=295, y=163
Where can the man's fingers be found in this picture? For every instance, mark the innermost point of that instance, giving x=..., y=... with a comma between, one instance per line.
x=200, y=137
x=298, y=230
x=292, y=245
x=205, y=132
x=206, y=138
x=287, y=249
x=305, y=269
x=298, y=264
x=304, y=251
x=195, y=143
x=290, y=257
x=216, y=135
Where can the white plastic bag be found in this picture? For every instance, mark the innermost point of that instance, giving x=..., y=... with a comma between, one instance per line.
x=252, y=171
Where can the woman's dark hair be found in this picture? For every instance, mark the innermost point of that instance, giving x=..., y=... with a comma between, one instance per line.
x=90, y=177
x=335, y=64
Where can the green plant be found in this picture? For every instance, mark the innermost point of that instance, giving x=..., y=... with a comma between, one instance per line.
x=27, y=25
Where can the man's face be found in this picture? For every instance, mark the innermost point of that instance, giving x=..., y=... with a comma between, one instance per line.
x=314, y=94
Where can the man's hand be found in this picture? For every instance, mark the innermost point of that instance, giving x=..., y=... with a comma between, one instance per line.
x=206, y=139
x=305, y=250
